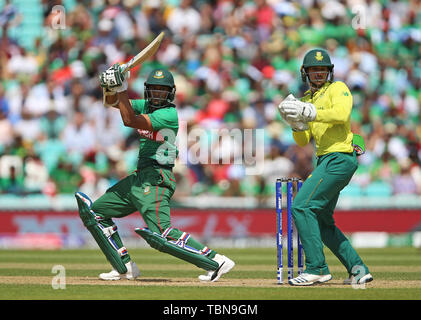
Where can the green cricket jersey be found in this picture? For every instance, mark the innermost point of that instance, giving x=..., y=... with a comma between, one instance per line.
x=157, y=146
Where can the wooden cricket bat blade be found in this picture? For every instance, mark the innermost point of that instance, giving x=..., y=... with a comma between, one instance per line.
x=144, y=54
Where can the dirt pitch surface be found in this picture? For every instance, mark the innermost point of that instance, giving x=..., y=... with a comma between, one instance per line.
x=188, y=282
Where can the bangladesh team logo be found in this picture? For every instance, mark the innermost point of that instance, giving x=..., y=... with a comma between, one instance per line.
x=158, y=74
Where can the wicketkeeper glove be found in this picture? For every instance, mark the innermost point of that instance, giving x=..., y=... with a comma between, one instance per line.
x=113, y=79
x=296, y=125
x=299, y=126
x=281, y=106
x=299, y=111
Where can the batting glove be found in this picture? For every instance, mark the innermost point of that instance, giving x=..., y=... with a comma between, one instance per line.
x=113, y=79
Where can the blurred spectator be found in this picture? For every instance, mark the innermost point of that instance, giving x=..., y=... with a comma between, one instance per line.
x=12, y=182
x=6, y=128
x=43, y=97
x=276, y=165
x=184, y=21
x=50, y=150
x=79, y=135
x=22, y=62
x=403, y=182
x=9, y=14
x=385, y=168
x=233, y=62
x=66, y=177
x=52, y=124
x=36, y=175
x=257, y=113
x=28, y=126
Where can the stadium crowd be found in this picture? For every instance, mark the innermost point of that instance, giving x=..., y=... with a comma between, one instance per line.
x=233, y=62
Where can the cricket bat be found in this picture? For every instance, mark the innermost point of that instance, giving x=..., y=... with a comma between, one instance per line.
x=144, y=54
x=136, y=60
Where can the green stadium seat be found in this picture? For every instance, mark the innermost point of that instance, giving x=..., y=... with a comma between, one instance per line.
x=352, y=190
x=31, y=25
x=378, y=189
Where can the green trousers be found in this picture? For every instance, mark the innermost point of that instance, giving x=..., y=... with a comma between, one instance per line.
x=148, y=191
x=313, y=209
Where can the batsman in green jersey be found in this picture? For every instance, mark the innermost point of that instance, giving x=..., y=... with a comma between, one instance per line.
x=149, y=189
x=323, y=114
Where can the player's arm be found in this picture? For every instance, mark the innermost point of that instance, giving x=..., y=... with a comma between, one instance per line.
x=301, y=138
x=341, y=105
x=110, y=98
x=115, y=84
x=130, y=119
x=339, y=113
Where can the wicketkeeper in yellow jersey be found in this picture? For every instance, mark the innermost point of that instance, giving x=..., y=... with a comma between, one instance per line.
x=149, y=189
x=324, y=115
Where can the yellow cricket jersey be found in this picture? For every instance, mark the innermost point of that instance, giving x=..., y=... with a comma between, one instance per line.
x=331, y=129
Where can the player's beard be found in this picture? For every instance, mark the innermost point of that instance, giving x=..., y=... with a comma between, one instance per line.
x=316, y=86
x=320, y=81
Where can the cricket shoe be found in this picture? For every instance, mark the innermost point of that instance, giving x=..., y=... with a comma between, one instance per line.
x=225, y=265
x=207, y=276
x=307, y=279
x=365, y=279
x=132, y=273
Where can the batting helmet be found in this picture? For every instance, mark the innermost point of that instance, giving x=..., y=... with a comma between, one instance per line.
x=159, y=77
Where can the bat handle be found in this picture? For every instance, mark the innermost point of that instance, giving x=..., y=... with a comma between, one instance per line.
x=124, y=68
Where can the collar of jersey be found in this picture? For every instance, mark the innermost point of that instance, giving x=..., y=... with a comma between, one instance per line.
x=318, y=92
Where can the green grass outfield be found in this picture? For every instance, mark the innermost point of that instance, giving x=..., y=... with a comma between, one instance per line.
x=28, y=275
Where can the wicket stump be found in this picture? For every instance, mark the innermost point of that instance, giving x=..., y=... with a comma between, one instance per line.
x=290, y=227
